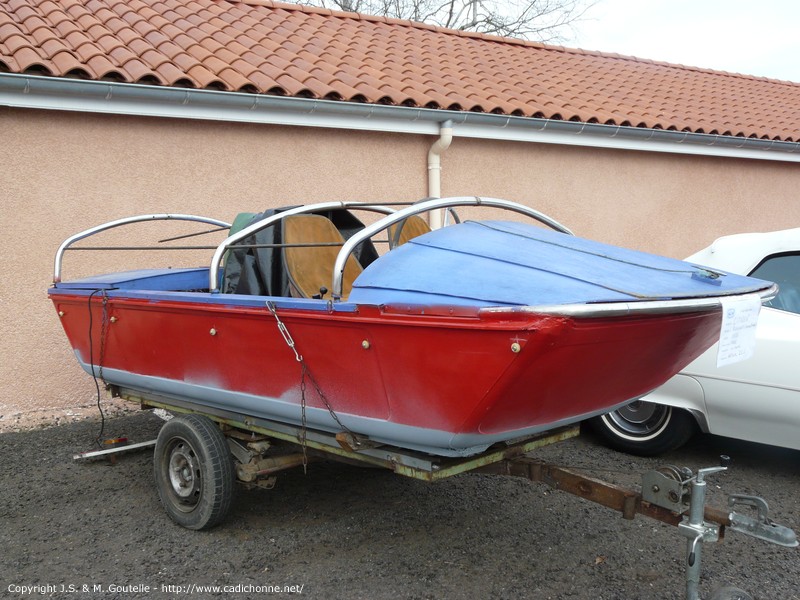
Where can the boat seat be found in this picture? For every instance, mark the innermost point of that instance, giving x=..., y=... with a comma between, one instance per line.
x=407, y=229
x=310, y=268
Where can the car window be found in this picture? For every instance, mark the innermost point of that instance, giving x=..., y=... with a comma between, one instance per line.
x=783, y=269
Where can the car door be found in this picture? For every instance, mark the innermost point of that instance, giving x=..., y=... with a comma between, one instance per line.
x=759, y=399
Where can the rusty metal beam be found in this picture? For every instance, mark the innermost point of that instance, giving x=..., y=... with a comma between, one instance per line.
x=623, y=500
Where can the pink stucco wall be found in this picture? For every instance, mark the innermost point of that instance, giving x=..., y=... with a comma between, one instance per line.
x=63, y=172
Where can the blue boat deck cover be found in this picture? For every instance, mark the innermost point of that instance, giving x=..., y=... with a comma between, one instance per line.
x=500, y=263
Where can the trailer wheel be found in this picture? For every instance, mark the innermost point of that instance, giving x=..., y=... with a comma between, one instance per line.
x=193, y=471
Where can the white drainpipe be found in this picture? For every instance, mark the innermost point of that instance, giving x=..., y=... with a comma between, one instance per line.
x=435, y=170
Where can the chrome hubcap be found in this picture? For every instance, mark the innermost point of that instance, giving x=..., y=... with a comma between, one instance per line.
x=639, y=418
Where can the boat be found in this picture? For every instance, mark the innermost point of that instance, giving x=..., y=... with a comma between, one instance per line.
x=444, y=342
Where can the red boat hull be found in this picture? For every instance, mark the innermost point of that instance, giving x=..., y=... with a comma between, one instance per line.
x=440, y=380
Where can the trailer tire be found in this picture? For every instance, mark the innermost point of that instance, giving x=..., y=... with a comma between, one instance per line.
x=193, y=470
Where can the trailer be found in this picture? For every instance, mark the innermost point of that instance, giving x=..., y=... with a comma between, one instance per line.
x=201, y=454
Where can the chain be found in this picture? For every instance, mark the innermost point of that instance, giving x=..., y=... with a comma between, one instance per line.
x=305, y=374
x=103, y=332
x=303, y=443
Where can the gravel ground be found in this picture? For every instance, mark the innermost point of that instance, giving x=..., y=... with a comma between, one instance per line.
x=347, y=532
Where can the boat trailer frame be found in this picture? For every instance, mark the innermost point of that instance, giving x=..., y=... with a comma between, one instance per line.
x=671, y=495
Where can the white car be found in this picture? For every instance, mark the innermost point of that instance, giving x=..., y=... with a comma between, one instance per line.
x=757, y=399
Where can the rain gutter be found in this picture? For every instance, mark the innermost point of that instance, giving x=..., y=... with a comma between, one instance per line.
x=51, y=93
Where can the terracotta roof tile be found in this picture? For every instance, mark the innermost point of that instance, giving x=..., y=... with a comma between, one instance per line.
x=170, y=49
x=136, y=69
x=197, y=49
x=204, y=77
x=102, y=67
x=26, y=57
x=263, y=46
x=15, y=41
x=64, y=61
x=169, y=73
x=184, y=61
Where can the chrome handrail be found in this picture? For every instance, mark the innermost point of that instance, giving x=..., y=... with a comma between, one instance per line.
x=213, y=273
x=126, y=221
x=425, y=206
x=621, y=309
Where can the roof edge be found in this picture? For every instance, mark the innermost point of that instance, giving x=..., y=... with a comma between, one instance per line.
x=104, y=97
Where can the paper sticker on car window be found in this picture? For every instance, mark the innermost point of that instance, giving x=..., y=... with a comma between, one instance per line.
x=737, y=340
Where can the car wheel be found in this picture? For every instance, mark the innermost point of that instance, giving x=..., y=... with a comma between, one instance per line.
x=645, y=428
